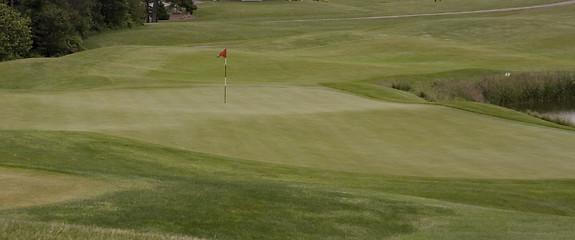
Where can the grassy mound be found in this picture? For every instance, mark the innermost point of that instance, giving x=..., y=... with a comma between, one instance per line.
x=175, y=192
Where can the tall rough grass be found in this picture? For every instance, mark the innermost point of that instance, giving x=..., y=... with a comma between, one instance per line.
x=510, y=90
x=23, y=229
x=506, y=90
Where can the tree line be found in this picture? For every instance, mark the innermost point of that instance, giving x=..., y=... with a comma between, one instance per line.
x=34, y=28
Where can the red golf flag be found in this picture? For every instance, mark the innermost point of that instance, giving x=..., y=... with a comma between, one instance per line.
x=223, y=53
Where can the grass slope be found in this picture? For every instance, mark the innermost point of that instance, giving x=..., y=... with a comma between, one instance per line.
x=175, y=192
x=320, y=163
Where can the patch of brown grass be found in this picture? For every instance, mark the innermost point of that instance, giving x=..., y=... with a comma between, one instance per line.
x=22, y=188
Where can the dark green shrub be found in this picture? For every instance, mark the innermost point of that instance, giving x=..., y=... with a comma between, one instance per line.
x=162, y=12
x=15, y=35
x=403, y=86
x=53, y=31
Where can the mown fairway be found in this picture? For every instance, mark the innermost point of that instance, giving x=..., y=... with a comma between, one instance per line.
x=131, y=138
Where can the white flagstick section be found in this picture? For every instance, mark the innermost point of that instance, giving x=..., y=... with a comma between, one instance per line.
x=225, y=79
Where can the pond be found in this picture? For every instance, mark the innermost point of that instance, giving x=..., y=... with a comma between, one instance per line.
x=563, y=109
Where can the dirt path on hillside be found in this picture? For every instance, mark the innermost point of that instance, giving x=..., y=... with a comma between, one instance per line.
x=440, y=14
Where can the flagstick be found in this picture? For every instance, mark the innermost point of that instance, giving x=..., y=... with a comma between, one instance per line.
x=225, y=79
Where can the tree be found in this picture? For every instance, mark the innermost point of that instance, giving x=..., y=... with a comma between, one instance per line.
x=115, y=13
x=15, y=34
x=155, y=11
x=58, y=27
x=137, y=12
x=148, y=10
x=99, y=15
x=53, y=31
x=122, y=13
x=89, y=14
x=187, y=5
x=7, y=2
x=151, y=11
x=163, y=12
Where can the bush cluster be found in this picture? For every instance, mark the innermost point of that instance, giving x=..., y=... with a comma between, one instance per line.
x=15, y=37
